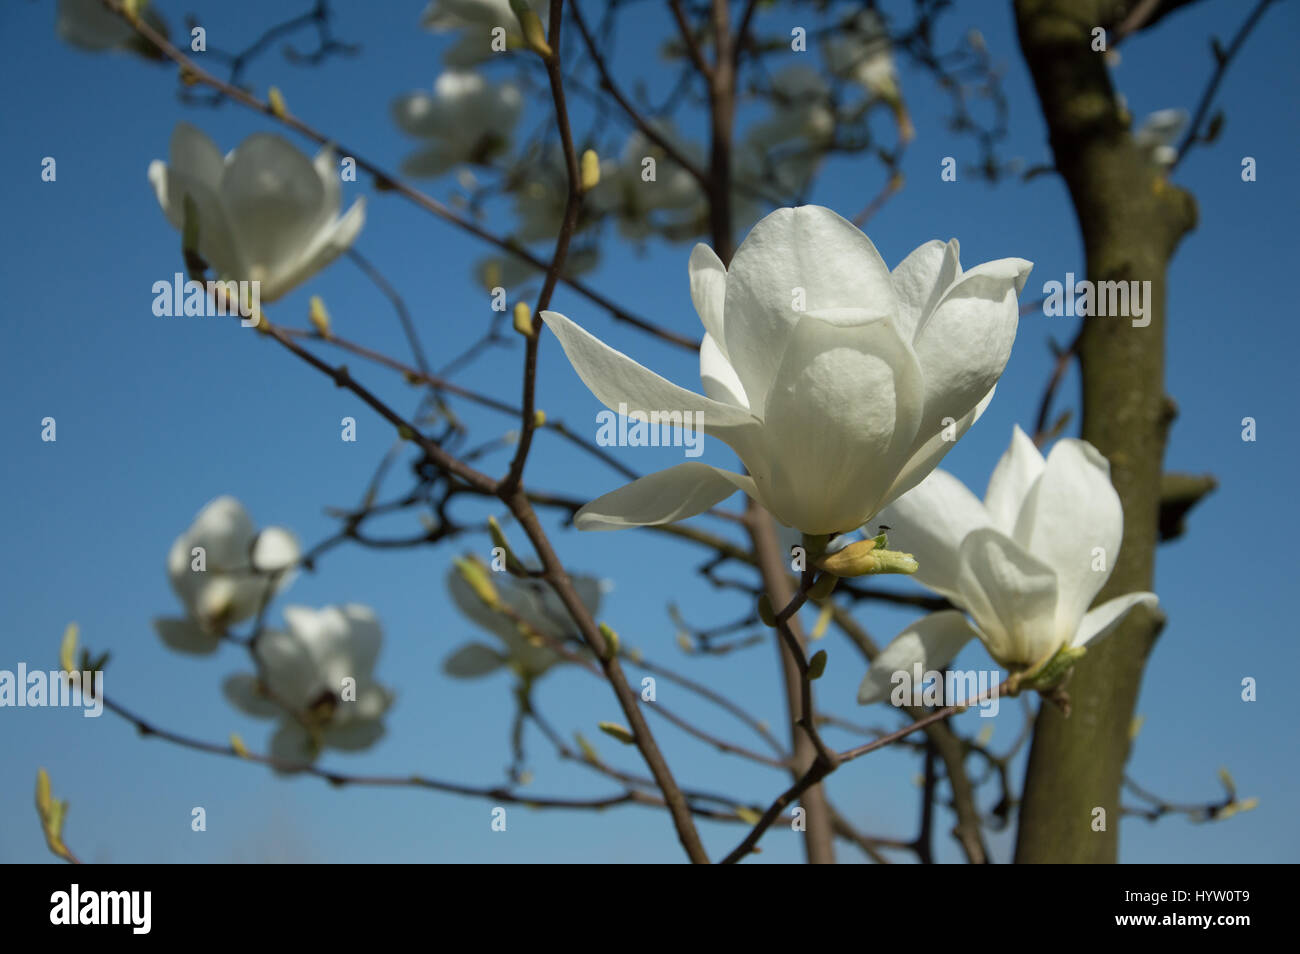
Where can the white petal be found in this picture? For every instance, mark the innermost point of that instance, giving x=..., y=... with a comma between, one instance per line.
x=963, y=345
x=1098, y=623
x=275, y=550
x=808, y=250
x=241, y=690
x=840, y=421
x=927, y=453
x=273, y=196
x=1013, y=478
x=184, y=635
x=1073, y=521
x=930, y=522
x=615, y=378
x=195, y=168
x=709, y=290
x=920, y=281
x=290, y=669
x=932, y=641
x=471, y=660
x=292, y=748
x=326, y=245
x=663, y=497
x=353, y=736
x=1012, y=596
x=721, y=383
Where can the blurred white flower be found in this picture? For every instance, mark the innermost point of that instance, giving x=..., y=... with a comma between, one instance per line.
x=862, y=53
x=317, y=676
x=475, y=20
x=1025, y=564
x=89, y=25
x=1158, y=133
x=635, y=203
x=238, y=569
x=838, y=384
x=533, y=602
x=266, y=212
x=801, y=110
x=468, y=119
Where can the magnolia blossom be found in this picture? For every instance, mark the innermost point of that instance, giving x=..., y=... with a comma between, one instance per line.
x=1025, y=564
x=838, y=384
x=265, y=211
x=536, y=605
x=468, y=120
x=89, y=25
x=223, y=570
x=1158, y=133
x=317, y=676
x=476, y=20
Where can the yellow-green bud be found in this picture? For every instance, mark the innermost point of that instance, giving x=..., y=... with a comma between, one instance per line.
x=531, y=24
x=319, y=317
x=523, y=319
x=476, y=575
x=590, y=170
x=611, y=638
x=617, y=731
x=765, y=611
x=68, y=650
x=275, y=100
x=864, y=557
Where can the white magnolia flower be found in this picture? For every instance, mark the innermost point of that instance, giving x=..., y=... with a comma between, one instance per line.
x=534, y=603
x=476, y=20
x=1025, y=564
x=238, y=569
x=838, y=384
x=89, y=25
x=468, y=119
x=1158, y=133
x=266, y=212
x=317, y=675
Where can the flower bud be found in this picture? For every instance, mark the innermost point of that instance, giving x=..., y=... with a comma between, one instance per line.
x=611, y=638
x=476, y=575
x=524, y=319
x=864, y=557
x=275, y=100
x=513, y=565
x=68, y=651
x=590, y=170
x=531, y=24
x=614, y=730
x=319, y=317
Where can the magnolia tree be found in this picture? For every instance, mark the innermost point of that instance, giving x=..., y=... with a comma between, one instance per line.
x=839, y=382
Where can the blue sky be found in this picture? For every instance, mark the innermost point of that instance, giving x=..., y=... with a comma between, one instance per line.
x=157, y=416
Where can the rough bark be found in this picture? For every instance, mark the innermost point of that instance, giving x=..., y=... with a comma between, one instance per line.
x=1131, y=221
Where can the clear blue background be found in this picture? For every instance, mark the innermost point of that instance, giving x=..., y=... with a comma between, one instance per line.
x=157, y=416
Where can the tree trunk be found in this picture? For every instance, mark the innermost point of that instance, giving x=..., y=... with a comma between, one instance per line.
x=1131, y=220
